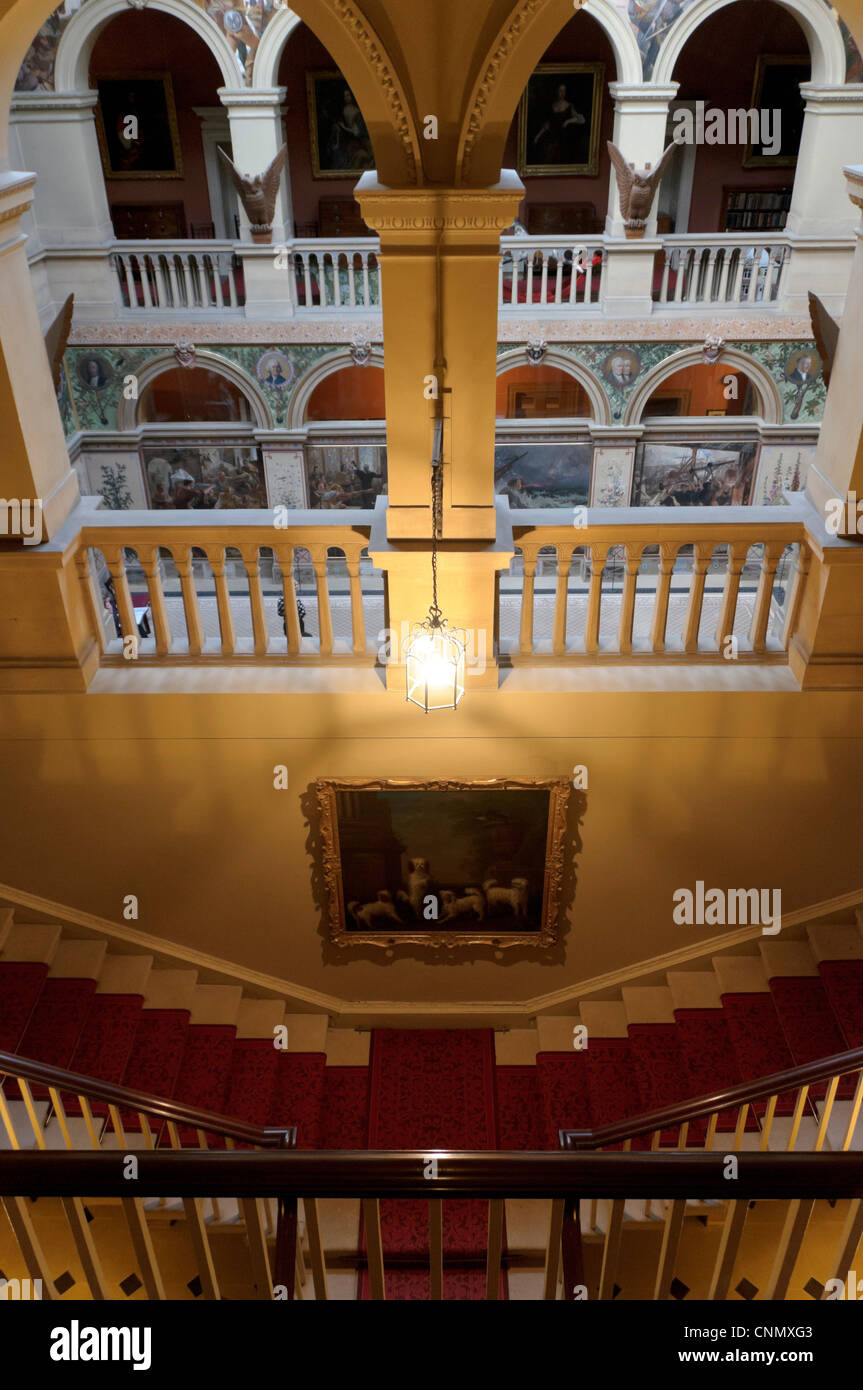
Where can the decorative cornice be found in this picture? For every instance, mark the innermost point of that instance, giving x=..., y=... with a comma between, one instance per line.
x=374, y=54
x=502, y=49
x=10, y=214
x=439, y=209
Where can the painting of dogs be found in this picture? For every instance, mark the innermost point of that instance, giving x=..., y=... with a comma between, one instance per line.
x=441, y=863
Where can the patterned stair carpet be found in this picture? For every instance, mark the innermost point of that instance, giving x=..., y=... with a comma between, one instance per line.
x=432, y=1089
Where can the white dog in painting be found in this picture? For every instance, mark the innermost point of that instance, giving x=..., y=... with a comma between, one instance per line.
x=473, y=901
x=514, y=897
x=419, y=884
x=370, y=914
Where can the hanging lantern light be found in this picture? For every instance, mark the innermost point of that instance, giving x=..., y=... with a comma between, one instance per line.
x=434, y=652
x=434, y=664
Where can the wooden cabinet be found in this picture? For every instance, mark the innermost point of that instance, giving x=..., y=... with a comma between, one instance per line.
x=341, y=217
x=568, y=219
x=145, y=221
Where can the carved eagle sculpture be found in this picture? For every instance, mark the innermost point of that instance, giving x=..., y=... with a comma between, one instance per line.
x=637, y=188
x=258, y=192
x=825, y=331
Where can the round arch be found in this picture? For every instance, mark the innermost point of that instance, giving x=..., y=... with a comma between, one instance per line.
x=379, y=83
x=265, y=72
x=620, y=35
x=768, y=393
x=72, y=68
x=552, y=357
x=818, y=22
x=127, y=411
x=324, y=367
x=503, y=74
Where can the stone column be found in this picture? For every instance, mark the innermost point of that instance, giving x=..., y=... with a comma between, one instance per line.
x=34, y=460
x=838, y=464
x=640, y=124
x=830, y=140
x=56, y=135
x=462, y=227
x=820, y=211
x=826, y=648
x=257, y=134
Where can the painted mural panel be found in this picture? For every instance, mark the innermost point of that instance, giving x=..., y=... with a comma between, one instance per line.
x=694, y=473
x=339, y=476
x=543, y=475
x=204, y=476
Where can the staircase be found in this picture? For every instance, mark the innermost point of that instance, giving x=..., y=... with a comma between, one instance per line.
x=96, y=1008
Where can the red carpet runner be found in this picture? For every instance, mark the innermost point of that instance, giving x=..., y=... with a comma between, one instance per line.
x=432, y=1089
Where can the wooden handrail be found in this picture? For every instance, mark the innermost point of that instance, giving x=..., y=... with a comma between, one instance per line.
x=159, y=1107
x=806, y=1074
x=357, y=1173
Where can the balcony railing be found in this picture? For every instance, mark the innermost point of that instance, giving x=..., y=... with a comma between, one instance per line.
x=654, y=583
x=231, y=585
x=563, y=272
x=730, y=269
x=178, y=276
x=210, y=276
x=548, y=275
x=339, y=274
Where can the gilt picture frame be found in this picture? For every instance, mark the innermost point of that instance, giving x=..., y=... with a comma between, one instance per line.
x=776, y=87
x=150, y=147
x=559, y=120
x=340, y=144
x=443, y=862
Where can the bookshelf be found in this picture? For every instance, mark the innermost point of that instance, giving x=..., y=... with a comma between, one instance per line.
x=755, y=209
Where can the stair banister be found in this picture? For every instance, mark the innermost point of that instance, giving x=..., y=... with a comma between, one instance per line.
x=159, y=1107
x=700, y=1107
x=479, y=1175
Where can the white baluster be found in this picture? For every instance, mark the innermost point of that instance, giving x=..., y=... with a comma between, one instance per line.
x=352, y=283
x=131, y=290
x=187, y=281
x=160, y=281
x=708, y=281
x=543, y=284
x=337, y=287
x=144, y=272
x=666, y=271
x=307, y=278
x=176, y=298
x=682, y=262
x=232, y=280
x=216, y=271
x=367, y=290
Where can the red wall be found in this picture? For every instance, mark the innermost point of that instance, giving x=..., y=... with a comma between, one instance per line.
x=717, y=66
x=354, y=393
x=303, y=51
x=581, y=41
x=154, y=42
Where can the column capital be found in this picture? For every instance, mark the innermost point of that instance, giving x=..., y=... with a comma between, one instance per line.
x=831, y=100
x=854, y=183
x=251, y=100
x=16, y=198
x=54, y=106
x=420, y=212
x=631, y=95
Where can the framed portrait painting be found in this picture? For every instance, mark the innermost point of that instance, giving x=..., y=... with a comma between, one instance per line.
x=340, y=143
x=777, y=89
x=559, y=118
x=443, y=862
x=136, y=122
